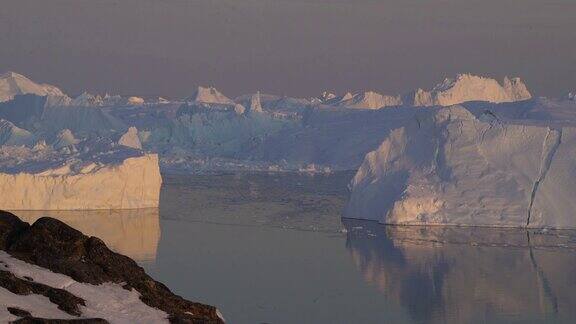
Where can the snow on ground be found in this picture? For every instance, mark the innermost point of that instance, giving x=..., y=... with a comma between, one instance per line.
x=37, y=305
x=108, y=301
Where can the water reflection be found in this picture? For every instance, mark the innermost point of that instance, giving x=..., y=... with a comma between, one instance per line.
x=134, y=233
x=463, y=275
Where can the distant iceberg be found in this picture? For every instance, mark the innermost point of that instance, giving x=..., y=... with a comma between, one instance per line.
x=13, y=84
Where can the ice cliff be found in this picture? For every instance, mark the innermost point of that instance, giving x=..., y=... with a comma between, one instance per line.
x=130, y=183
x=451, y=167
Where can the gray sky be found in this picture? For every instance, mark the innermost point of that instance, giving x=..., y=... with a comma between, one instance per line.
x=292, y=47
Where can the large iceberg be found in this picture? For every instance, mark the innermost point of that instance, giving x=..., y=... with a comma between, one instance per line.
x=449, y=166
x=130, y=183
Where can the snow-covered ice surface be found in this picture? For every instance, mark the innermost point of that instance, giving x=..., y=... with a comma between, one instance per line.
x=109, y=301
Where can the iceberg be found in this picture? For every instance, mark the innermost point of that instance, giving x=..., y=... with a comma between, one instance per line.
x=467, y=87
x=119, y=183
x=449, y=166
x=501, y=158
x=131, y=139
x=135, y=101
x=364, y=100
x=13, y=84
x=12, y=135
x=255, y=105
x=209, y=95
x=87, y=100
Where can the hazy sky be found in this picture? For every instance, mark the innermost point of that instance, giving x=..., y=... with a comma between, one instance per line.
x=292, y=47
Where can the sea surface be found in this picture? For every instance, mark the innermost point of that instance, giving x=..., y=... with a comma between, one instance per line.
x=272, y=248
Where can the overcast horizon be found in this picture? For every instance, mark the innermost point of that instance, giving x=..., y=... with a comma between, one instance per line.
x=286, y=47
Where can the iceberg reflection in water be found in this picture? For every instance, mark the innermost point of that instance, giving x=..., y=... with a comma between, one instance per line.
x=132, y=232
x=464, y=275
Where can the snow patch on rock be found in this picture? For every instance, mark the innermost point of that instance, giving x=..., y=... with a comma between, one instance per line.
x=109, y=301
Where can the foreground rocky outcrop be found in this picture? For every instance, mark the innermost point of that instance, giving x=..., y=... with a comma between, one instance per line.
x=82, y=280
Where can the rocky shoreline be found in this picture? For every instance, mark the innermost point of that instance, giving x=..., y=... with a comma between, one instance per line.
x=62, y=261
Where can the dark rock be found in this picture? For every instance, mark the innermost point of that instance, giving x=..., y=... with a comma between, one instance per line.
x=18, y=312
x=10, y=225
x=65, y=300
x=36, y=320
x=51, y=244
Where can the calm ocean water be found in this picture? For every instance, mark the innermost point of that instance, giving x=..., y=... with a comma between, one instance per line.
x=272, y=248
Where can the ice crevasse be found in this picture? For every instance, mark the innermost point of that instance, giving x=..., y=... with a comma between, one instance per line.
x=451, y=167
